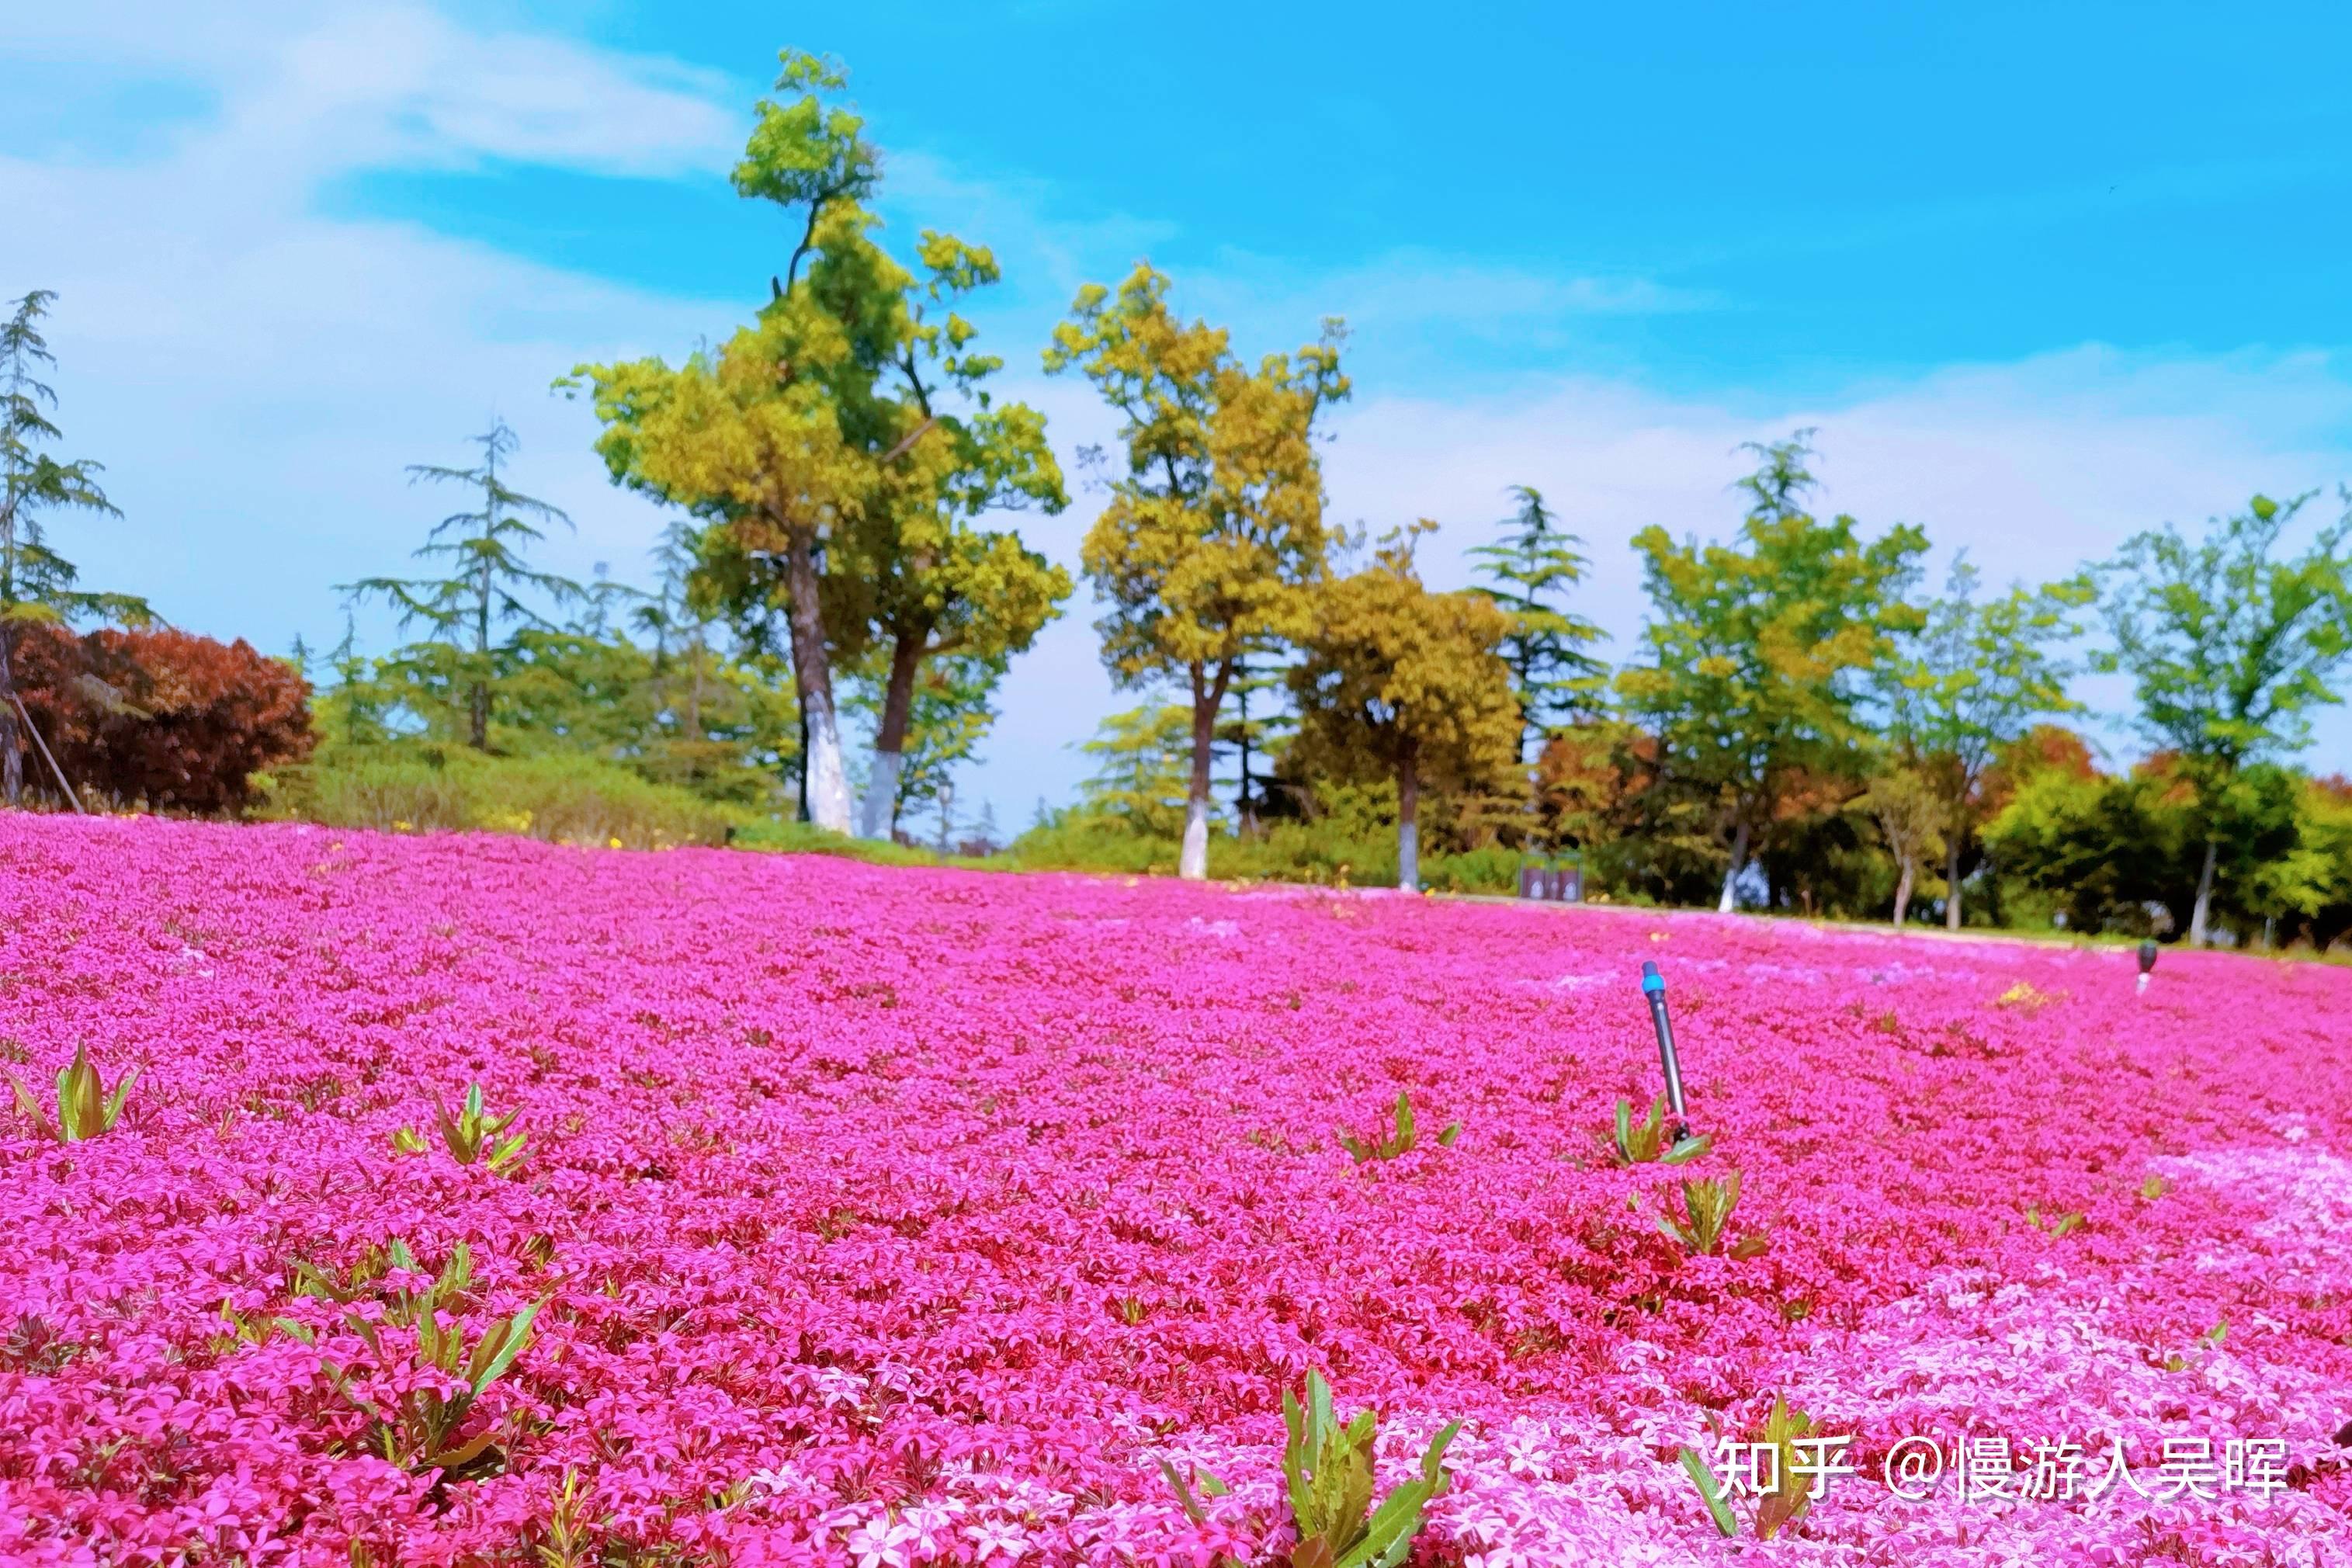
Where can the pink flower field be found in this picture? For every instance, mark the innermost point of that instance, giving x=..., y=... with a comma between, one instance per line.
x=891, y=1216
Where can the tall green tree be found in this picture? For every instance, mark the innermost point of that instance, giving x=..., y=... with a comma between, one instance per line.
x=37, y=584
x=1401, y=683
x=1912, y=820
x=1254, y=738
x=749, y=438
x=2230, y=646
x=1529, y=572
x=845, y=443
x=1969, y=682
x=490, y=587
x=1214, y=534
x=949, y=714
x=938, y=585
x=681, y=617
x=1142, y=762
x=1758, y=650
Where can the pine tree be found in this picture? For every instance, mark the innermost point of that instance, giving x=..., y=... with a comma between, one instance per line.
x=1528, y=573
x=1258, y=682
x=486, y=583
x=37, y=584
x=945, y=799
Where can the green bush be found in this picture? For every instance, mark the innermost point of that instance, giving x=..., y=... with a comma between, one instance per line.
x=808, y=839
x=402, y=787
x=1329, y=852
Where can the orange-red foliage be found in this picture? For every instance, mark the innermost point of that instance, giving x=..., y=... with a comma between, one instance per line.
x=174, y=719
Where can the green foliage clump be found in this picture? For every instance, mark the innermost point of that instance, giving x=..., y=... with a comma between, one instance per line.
x=472, y=1136
x=1402, y=1136
x=2124, y=855
x=808, y=839
x=1351, y=841
x=1326, y=1470
x=85, y=1110
x=418, y=787
x=1644, y=1143
x=1707, y=1216
x=419, y=1430
x=1792, y=1488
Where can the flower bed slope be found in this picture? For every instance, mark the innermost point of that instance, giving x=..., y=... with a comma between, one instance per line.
x=889, y=1216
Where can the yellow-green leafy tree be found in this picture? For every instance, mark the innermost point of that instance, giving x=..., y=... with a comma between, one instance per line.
x=1757, y=651
x=2231, y=645
x=1969, y=682
x=1214, y=536
x=1912, y=818
x=846, y=445
x=935, y=586
x=750, y=434
x=762, y=434
x=1403, y=683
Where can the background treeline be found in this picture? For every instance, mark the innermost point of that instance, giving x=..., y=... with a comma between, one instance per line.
x=1805, y=724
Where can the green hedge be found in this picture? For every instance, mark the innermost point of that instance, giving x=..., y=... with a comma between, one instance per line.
x=418, y=788
x=1317, y=852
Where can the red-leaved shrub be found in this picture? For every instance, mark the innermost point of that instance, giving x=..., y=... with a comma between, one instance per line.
x=168, y=718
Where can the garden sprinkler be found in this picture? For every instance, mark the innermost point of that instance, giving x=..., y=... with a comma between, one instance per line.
x=1653, y=986
x=2147, y=965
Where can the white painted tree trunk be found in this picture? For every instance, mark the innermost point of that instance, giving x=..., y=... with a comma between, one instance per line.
x=1952, y=883
x=1192, y=864
x=828, y=777
x=881, y=796
x=1730, y=899
x=2204, y=906
x=822, y=768
x=1409, y=828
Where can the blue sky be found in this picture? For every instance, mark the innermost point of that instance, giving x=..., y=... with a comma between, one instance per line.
x=2040, y=276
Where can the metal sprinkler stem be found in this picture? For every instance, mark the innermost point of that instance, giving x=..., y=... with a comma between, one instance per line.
x=2147, y=964
x=1653, y=986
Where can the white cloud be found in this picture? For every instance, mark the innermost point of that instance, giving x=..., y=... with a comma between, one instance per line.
x=1421, y=291
x=372, y=85
x=255, y=376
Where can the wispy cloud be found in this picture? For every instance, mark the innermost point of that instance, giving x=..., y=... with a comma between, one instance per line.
x=255, y=374
x=344, y=86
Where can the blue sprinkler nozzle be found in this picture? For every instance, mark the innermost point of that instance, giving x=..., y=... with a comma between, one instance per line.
x=1653, y=986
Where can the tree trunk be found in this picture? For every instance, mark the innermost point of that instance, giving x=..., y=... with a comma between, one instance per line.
x=801, y=769
x=890, y=736
x=1408, y=826
x=1193, y=862
x=822, y=773
x=1952, y=882
x=2204, y=905
x=1244, y=812
x=1729, y=900
x=1903, y=891
x=477, y=696
x=12, y=745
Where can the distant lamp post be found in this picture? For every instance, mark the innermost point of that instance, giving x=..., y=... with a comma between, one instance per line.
x=1653, y=986
x=2147, y=964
